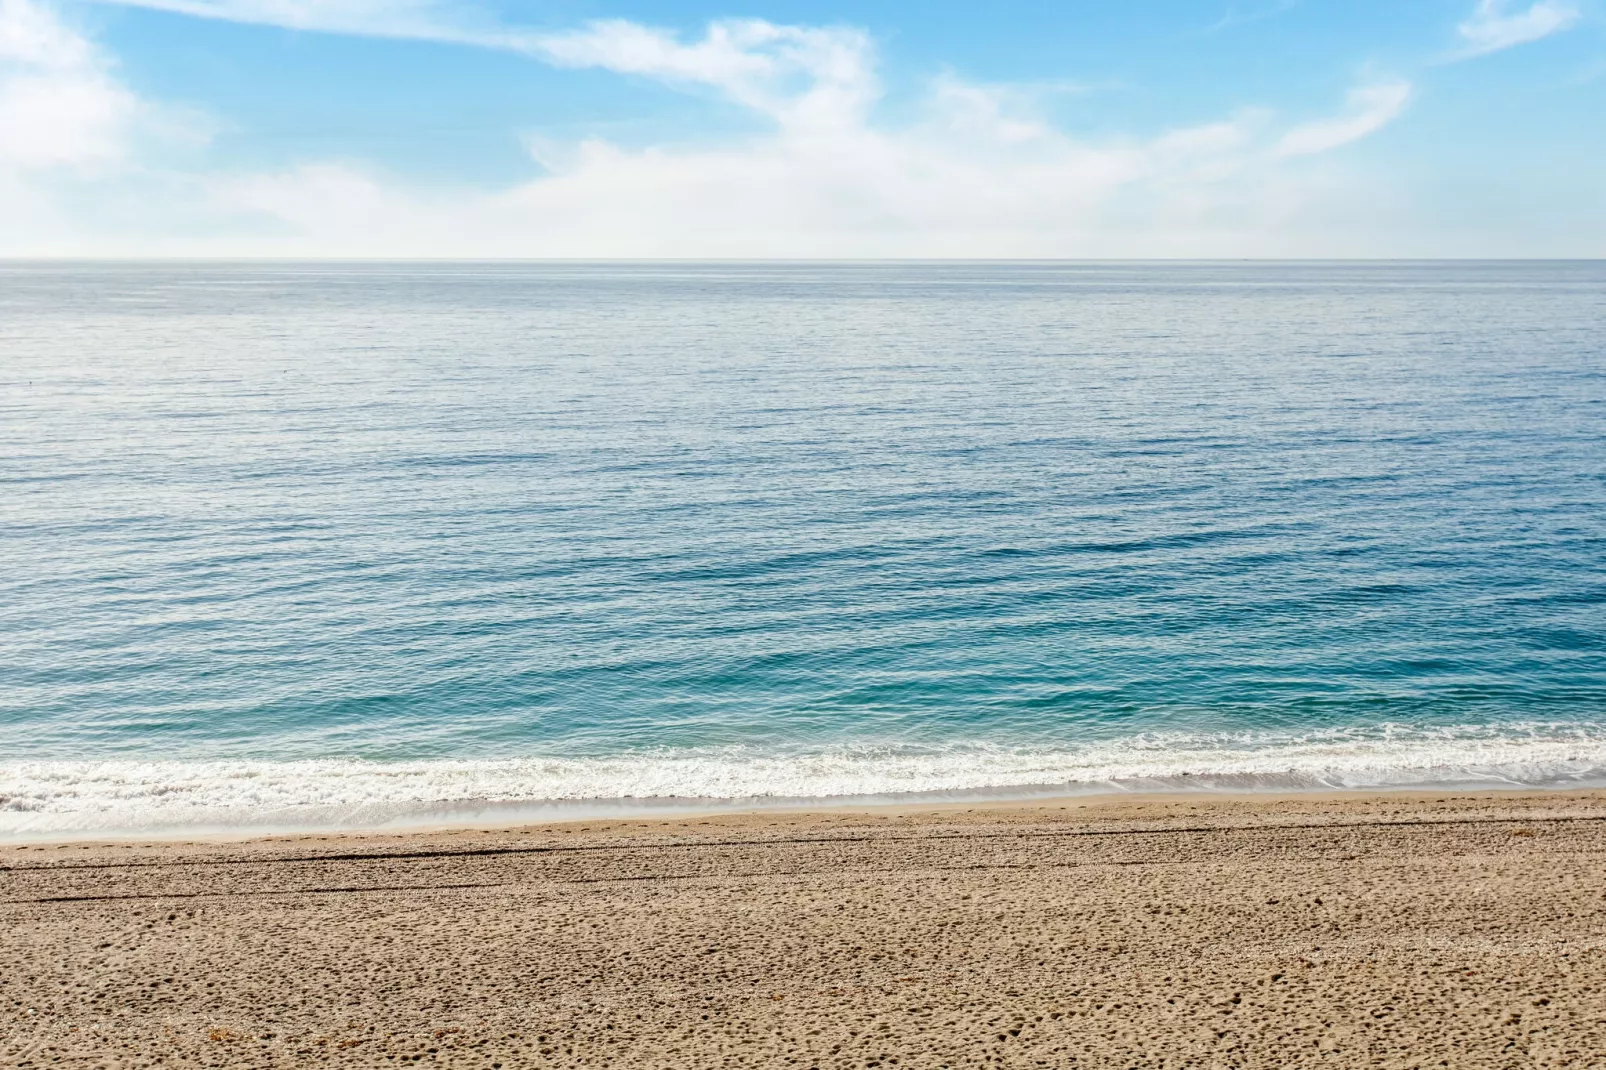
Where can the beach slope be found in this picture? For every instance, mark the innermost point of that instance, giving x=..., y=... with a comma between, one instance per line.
x=1386, y=930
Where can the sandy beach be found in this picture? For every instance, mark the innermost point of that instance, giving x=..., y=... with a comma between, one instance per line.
x=1454, y=929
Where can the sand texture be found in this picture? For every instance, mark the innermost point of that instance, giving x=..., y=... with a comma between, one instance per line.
x=1451, y=930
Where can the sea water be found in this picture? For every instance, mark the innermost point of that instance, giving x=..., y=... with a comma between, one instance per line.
x=292, y=544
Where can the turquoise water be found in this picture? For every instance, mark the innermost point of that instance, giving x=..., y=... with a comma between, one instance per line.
x=323, y=543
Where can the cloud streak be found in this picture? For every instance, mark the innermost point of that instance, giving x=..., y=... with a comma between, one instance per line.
x=1370, y=109
x=414, y=19
x=1236, y=16
x=1492, y=28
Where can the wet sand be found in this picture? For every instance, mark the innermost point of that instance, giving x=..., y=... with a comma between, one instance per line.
x=1441, y=930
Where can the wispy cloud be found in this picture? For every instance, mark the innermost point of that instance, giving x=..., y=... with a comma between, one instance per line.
x=758, y=64
x=1370, y=108
x=422, y=19
x=750, y=60
x=1243, y=15
x=1492, y=27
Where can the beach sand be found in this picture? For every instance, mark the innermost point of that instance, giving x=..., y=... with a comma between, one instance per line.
x=1452, y=929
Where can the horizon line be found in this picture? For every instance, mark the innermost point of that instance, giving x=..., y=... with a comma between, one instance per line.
x=247, y=258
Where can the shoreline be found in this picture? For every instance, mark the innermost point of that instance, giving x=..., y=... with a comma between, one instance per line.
x=43, y=800
x=509, y=816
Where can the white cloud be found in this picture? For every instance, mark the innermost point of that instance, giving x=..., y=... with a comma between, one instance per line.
x=1371, y=107
x=1491, y=28
x=979, y=173
x=798, y=75
x=59, y=107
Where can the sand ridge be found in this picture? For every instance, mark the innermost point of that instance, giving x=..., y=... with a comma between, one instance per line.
x=1383, y=930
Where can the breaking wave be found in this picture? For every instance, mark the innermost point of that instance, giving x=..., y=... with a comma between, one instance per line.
x=60, y=799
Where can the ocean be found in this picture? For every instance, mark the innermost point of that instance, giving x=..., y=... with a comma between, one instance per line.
x=303, y=545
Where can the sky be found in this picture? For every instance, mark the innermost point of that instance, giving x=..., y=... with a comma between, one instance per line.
x=803, y=128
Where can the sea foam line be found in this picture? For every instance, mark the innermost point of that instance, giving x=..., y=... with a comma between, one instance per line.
x=64, y=798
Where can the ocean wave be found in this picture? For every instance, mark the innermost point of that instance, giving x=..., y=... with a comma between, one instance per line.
x=131, y=796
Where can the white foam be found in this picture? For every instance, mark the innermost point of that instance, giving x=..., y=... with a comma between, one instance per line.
x=44, y=799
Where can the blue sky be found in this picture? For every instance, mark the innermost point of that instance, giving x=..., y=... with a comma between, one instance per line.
x=577, y=128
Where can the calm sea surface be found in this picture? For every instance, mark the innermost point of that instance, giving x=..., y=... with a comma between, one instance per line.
x=329, y=543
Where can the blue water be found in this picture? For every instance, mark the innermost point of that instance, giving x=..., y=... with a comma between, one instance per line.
x=335, y=542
